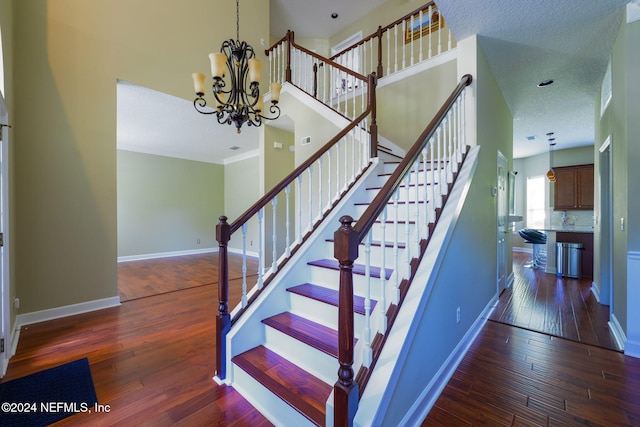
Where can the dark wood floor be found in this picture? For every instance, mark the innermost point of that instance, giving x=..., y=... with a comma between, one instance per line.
x=144, y=278
x=557, y=306
x=152, y=360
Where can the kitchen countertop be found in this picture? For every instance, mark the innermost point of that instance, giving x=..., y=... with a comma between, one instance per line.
x=569, y=229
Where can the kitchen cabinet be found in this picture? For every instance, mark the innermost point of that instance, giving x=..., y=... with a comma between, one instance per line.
x=573, y=189
x=587, y=241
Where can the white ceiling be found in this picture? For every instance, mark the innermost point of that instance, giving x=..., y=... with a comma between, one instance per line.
x=525, y=42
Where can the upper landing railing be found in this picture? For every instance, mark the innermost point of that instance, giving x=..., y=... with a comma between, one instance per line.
x=340, y=82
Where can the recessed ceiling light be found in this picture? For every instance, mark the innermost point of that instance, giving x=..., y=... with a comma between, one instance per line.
x=545, y=83
x=234, y=147
x=334, y=15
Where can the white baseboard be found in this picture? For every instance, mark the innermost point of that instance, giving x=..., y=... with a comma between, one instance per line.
x=67, y=310
x=617, y=332
x=523, y=250
x=141, y=257
x=595, y=291
x=421, y=407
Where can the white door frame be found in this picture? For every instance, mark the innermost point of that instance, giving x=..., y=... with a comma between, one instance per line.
x=5, y=297
x=606, y=225
x=502, y=229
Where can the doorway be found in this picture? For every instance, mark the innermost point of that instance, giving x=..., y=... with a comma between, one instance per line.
x=606, y=225
x=5, y=289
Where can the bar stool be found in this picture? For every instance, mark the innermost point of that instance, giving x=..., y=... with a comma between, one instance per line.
x=536, y=238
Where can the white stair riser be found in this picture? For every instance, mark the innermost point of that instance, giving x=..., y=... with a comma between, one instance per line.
x=272, y=407
x=317, y=363
x=320, y=312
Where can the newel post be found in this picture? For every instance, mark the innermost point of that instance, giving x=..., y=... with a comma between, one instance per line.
x=223, y=319
x=289, y=43
x=345, y=392
x=373, y=128
x=380, y=67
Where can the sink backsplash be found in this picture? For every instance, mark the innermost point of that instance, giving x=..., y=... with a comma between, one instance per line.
x=570, y=218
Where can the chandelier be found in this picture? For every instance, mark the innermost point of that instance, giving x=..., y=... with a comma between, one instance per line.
x=236, y=80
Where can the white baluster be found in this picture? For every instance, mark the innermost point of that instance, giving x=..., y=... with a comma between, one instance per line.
x=407, y=229
x=310, y=198
x=260, y=249
x=346, y=164
x=412, y=38
x=366, y=333
x=382, y=328
x=416, y=195
x=425, y=197
x=404, y=51
x=429, y=35
x=421, y=38
x=329, y=190
x=299, y=207
x=338, y=170
x=287, y=192
x=395, y=30
x=244, y=300
x=274, y=235
x=320, y=206
x=396, y=253
x=388, y=52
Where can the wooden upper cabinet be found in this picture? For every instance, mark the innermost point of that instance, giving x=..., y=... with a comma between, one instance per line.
x=573, y=189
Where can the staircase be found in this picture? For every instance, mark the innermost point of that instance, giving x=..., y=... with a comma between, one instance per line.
x=285, y=349
x=289, y=366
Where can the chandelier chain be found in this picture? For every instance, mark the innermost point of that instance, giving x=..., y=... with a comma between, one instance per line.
x=238, y=20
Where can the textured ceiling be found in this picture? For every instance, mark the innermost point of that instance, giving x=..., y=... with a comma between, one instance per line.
x=525, y=42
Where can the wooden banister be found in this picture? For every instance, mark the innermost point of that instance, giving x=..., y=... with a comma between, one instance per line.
x=346, y=242
x=366, y=220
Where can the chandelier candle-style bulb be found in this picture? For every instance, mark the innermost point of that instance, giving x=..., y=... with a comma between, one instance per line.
x=198, y=83
x=275, y=88
x=218, y=64
x=255, y=67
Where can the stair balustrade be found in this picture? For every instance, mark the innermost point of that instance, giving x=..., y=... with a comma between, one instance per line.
x=423, y=179
x=328, y=81
x=417, y=36
x=317, y=185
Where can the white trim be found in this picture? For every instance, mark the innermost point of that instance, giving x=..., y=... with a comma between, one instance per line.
x=522, y=250
x=239, y=252
x=244, y=156
x=595, y=291
x=436, y=61
x=510, y=279
x=421, y=407
x=633, y=11
x=64, y=311
x=127, y=258
x=617, y=331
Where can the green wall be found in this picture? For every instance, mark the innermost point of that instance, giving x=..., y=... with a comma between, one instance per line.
x=67, y=58
x=167, y=204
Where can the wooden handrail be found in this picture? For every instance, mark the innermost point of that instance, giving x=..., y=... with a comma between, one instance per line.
x=381, y=30
x=367, y=219
x=378, y=35
x=303, y=166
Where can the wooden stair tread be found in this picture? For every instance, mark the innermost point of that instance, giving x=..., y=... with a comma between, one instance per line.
x=328, y=296
x=304, y=330
x=400, y=202
x=304, y=392
x=378, y=243
x=357, y=268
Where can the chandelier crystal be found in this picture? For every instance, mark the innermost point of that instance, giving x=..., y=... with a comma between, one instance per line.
x=236, y=85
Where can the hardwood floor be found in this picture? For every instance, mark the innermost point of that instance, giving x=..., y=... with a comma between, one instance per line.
x=516, y=376
x=152, y=360
x=144, y=278
x=557, y=306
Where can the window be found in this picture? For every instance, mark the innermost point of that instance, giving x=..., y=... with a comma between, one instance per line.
x=536, y=197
